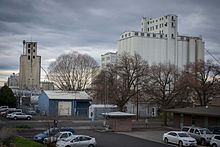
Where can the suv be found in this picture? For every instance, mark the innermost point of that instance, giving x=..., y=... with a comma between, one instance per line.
x=215, y=130
x=202, y=135
x=185, y=128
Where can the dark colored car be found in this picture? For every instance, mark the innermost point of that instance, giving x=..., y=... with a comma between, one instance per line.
x=215, y=129
x=51, y=132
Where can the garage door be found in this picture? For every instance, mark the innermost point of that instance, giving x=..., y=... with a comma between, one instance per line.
x=64, y=108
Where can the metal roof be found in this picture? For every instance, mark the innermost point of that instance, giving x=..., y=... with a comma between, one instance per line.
x=118, y=114
x=70, y=95
x=203, y=111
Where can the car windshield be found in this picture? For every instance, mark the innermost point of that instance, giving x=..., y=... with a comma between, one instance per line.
x=205, y=131
x=183, y=135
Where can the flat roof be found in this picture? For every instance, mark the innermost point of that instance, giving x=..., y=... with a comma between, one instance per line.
x=71, y=95
x=202, y=111
x=118, y=114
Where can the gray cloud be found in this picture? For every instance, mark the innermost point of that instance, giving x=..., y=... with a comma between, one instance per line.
x=94, y=26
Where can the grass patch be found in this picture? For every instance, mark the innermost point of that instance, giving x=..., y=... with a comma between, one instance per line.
x=23, y=142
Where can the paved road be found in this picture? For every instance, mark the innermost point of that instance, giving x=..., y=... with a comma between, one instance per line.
x=108, y=139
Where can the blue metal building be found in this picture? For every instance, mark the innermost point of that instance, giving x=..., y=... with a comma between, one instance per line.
x=59, y=103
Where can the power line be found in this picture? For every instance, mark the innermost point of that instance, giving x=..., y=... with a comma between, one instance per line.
x=212, y=56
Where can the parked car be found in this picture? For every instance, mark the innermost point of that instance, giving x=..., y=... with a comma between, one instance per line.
x=185, y=128
x=18, y=115
x=215, y=129
x=215, y=141
x=77, y=140
x=11, y=110
x=202, y=135
x=3, y=108
x=51, y=132
x=57, y=137
x=180, y=138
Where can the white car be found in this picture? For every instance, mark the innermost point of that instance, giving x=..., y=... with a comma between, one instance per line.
x=215, y=141
x=180, y=138
x=57, y=137
x=18, y=115
x=77, y=140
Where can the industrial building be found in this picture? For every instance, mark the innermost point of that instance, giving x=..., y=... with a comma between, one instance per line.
x=59, y=103
x=108, y=58
x=159, y=42
x=30, y=67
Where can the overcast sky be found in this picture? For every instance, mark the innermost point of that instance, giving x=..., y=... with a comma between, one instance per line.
x=93, y=26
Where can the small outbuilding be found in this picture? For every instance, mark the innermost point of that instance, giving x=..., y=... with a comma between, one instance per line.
x=59, y=103
x=119, y=121
x=197, y=116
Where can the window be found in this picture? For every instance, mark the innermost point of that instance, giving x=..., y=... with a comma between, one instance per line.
x=148, y=22
x=142, y=24
x=148, y=35
x=166, y=17
x=29, y=51
x=165, y=35
x=33, y=57
x=197, y=131
x=161, y=36
x=173, y=24
x=156, y=26
x=122, y=36
x=136, y=33
x=172, y=36
x=217, y=137
x=129, y=34
x=142, y=30
x=148, y=29
x=162, y=25
x=156, y=20
x=142, y=34
x=191, y=130
x=103, y=59
x=29, y=45
x=165, y=24
x=34, y=51
x=29, y=57
x=154, y=35
x=125, y=35
x=34, y=44
x=172, y=17
x=108, y=58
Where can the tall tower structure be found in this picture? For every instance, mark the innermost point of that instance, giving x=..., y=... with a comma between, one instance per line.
x=30, y=67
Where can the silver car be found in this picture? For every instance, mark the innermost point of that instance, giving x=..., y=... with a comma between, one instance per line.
x=18, y=115
x=77, y=141
x=215, y=141
x=202, y=135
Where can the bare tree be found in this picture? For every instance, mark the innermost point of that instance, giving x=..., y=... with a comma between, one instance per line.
x=202, y=78
x=72, y=71
x=162, y=86
x=121, y=79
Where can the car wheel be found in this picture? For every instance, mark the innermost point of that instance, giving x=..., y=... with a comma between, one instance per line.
x=214, y=145
x=203, y=143
x=91, y=145
x=180, y=143
x=28, y=118
x=15, y=118
x=165, y=140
